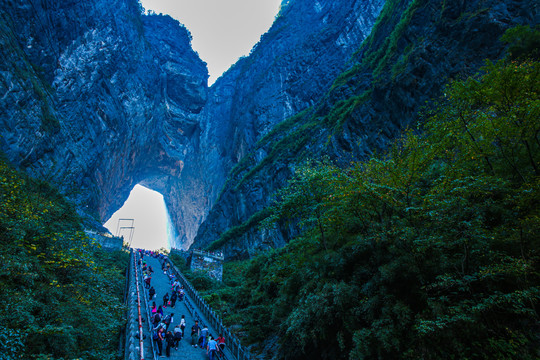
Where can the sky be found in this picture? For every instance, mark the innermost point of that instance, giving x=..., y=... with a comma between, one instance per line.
x=222, y=30
x=148, y=210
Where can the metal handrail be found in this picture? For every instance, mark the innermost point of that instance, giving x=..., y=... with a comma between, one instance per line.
x=234, y=346
x=129, y=277
x=141, y=343
x=148, y=319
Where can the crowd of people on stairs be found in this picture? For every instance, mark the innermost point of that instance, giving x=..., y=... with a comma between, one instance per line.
x=200, y=337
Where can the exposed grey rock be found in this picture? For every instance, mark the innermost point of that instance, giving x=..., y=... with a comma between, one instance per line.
x=96, y=97
x=413, y=51
x=288, y=71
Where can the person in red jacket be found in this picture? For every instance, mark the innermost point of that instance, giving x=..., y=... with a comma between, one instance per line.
x=221, y=342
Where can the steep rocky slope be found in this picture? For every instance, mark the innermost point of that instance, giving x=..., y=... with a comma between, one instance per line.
x=97, y=98
x=414, y=49
x=106, y=98
x=288, y=71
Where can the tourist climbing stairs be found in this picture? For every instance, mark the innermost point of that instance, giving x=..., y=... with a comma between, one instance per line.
x=139, y=334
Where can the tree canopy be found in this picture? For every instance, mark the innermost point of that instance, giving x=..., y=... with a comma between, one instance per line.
x=428, y=251
x=62, y=296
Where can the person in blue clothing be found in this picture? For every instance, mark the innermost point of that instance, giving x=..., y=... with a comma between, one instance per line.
x=181, y=294
x=204, y=337
x=212, y=348
x=167, y=320
x=159, y=340
x=177, y=335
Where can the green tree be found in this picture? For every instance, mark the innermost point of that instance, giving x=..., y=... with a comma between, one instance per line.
x=57, y=285
x=308, y=198
x=429, y=251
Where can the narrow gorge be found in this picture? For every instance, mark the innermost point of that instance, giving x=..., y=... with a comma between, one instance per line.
x=370, y=172
x=99, y=98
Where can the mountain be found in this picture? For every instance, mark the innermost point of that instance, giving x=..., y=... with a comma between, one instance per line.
x=386, y=246
x=414, y=49
x=97, y=97
x=287, y=72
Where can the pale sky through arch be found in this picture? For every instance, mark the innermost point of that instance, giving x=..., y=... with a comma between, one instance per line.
x=222, y=30
x=152, y=226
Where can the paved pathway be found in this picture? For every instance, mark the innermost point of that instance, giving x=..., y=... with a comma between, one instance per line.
x=161, y=284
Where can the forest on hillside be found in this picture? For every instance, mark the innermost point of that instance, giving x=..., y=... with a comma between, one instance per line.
x=62, y=296
x=427, y=251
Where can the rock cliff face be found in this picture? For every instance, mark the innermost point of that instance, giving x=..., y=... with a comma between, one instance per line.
x=413, y=50
x=288, y=71
x=97, y=98
x=290, y=68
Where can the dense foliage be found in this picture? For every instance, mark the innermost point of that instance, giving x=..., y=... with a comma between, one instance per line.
x=61, y=295
x=429, y=251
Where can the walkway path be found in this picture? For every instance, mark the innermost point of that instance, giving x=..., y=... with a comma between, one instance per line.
x=161, y=284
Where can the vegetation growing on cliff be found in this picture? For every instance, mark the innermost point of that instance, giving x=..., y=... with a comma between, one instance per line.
x=430, y=251
x=62, y=296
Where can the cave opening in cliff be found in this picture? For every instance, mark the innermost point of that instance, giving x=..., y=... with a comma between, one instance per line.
x=152, y=228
